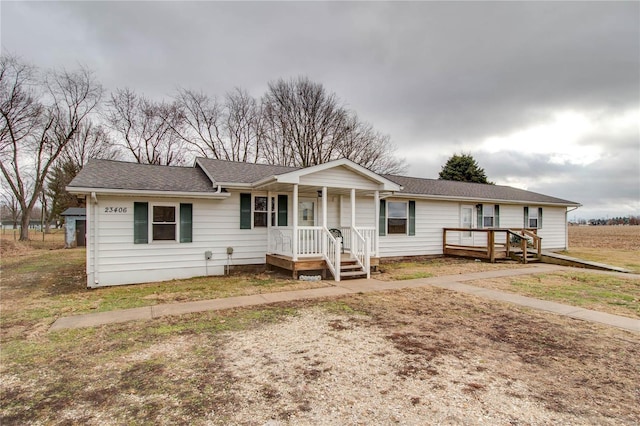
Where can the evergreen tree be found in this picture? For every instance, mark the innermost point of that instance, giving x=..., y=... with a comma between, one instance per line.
x=463, y=168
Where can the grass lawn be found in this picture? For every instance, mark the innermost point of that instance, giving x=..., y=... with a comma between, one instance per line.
x=628, y=259
x=601, y=292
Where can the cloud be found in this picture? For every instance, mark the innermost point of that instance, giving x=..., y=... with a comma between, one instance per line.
x=543, y=94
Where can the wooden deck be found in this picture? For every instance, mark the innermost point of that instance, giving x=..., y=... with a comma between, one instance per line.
x=523, y=244
x=307, y=263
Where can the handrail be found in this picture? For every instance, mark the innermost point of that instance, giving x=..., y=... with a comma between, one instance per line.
x=360, y=250
x=331, y=252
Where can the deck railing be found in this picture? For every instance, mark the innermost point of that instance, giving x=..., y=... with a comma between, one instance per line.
x=493, y=243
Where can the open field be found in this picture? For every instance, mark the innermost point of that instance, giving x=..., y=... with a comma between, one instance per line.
x=615, y=245
x=423, y=356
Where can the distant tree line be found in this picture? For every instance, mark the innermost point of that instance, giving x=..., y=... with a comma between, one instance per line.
x=621, y=220
x=54, y=121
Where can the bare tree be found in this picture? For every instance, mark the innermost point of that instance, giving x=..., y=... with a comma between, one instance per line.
x=364, y=145
x=228, y=131
x=148, y=130
x=243, y=126
x=303, y=125
x=90, y=141
x=39, y=118
x=10, y=208
x=202, y=117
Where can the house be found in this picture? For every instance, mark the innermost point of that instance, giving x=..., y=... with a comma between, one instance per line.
x=149, y=223
x=75, y=222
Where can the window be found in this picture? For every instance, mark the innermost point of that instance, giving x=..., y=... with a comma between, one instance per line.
x=397, y=217
x=260, y=212
x=488, y=215
x=164, y=223
x=254, y=212
x=533, y=217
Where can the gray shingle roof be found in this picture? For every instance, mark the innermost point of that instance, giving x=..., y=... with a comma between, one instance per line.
x=133, y=176
x=229, y=171
x=111, y=174
x=74, y=211
x=479, y=191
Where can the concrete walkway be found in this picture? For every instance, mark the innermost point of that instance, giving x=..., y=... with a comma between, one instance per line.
x=449, y=282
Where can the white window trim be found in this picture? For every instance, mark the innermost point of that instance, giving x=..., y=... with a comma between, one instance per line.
x=176, y=207
x=406, y=218
x=254, y=211
x=492, y=216
x=535, y=210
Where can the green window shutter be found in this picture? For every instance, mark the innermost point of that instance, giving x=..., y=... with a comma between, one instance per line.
x=383, y=218
x=496, y=221
x=186, y=223
x=245, y=211
x=282, y=210
x=140, y=223
x=412, y=218
x=539, y=217
x=480, y=222
x=526, y=217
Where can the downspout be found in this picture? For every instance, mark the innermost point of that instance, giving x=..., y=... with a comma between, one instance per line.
x=94, y=198
x=218, y=190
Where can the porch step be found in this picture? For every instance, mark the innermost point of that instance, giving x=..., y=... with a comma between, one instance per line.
x=353, y=274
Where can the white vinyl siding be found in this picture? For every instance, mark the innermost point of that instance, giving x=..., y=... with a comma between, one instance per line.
x=216, y=226
x=431, y=217
x=338, y=177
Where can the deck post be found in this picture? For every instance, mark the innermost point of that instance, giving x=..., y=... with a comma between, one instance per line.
x=491, y=239
x=294, y=239
x=444, y=240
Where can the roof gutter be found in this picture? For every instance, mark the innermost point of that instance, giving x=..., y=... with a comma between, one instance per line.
x=217, y=195
x=475, y=199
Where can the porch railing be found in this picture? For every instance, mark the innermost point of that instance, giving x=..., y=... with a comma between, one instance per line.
x=368, y=232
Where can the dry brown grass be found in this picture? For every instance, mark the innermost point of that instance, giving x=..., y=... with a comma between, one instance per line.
x=607, y=237
x=614, y=245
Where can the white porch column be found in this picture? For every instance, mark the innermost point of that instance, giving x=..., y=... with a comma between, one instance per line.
x=353, y=208
x=294, y=239
x=324, y=218
x=324, y=206
x=376, y=236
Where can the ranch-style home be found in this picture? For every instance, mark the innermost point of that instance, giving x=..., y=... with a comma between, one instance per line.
x=151, y=223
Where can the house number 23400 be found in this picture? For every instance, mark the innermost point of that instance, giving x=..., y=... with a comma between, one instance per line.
x=115, y=209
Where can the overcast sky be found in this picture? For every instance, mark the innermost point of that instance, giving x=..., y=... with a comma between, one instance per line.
x=545, y=95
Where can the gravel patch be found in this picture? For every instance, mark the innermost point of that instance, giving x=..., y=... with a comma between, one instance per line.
x=323, y=368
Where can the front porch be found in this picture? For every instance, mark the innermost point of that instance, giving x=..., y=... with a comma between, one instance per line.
x=345, y=252
x=331, y=220
x=315, y=264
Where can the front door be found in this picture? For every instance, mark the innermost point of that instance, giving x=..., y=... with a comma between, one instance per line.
x=307, y=212
x=466, y=221
x=81, y=230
